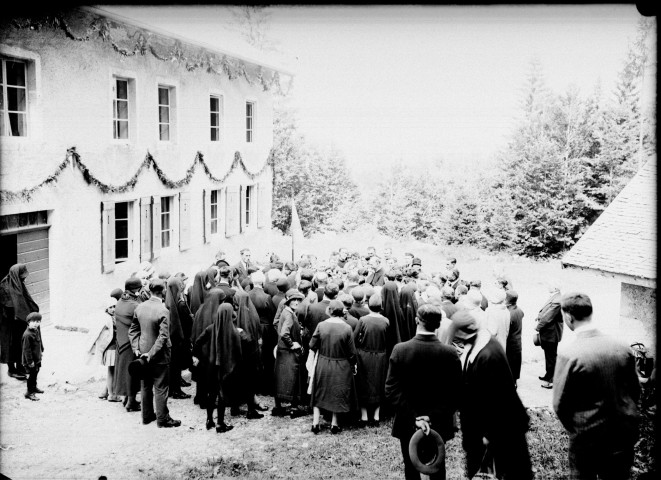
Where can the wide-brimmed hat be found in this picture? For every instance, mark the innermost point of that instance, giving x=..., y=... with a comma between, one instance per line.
x=427, y=452
x=293, y=294
x=138, y=368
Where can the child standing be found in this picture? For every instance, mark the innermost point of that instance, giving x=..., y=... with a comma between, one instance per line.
x=32, y=349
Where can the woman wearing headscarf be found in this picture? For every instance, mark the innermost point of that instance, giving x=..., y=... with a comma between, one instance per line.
x=16, y=305
x=247, y=321
x=409, y=306
x=370, y=340
x=124, y=384
x=289, y=359
x=333, y=386
x=180, y=351
x=203, y=319
x=391, y=309
x=224, y=355
x=203, y=282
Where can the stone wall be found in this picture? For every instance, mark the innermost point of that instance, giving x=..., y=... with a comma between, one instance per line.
x=638, y=314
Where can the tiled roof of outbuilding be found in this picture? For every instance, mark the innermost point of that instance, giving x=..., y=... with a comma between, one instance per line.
x=623, y=239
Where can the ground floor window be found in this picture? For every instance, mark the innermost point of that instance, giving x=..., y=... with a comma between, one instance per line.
x=122, y=239
x=249, y=207
x=215, y=194
x=166, y=224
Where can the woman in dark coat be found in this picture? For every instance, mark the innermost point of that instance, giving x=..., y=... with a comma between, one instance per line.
x=391, y=309
x=223, y=358
x=16, y=305
x=370, y=340
x=409, y=307
x=289, y=359
x=203, y=282
x=247, y=322
x=124, y=384
x=180, y=350
x=333, y=386
x=203, y=319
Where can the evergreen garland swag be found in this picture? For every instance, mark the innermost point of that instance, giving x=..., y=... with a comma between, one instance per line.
x=149, y=161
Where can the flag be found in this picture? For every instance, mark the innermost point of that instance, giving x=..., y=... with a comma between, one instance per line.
x=296, y=231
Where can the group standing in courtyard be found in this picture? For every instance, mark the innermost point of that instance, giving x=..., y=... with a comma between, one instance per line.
x=351, y=341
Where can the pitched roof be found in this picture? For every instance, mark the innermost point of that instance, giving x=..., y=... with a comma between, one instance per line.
x=623, y=239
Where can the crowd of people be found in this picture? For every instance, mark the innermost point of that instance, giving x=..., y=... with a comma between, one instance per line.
x=352, y=339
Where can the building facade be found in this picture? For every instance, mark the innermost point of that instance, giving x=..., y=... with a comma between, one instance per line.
x=122, y=143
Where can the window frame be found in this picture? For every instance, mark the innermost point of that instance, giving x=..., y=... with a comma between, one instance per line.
x=248, y=203
x=115, y=103
x=169, y=201
x=129, y=232
x=220, y=113
x=5, y=122
x=214, y=221
x=250, y=121
x=170, y=109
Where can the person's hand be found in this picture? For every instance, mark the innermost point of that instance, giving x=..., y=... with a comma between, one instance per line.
x=485, y=442
x=295, y=346
x=196, y=361
x=137, y=353
x=31, y=365
x=423, y=424
x=355, y=369
x=146, y=355
x=239, y=329
x=259, y=342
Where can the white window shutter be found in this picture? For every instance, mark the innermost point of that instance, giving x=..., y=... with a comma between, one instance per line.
x=256, y=211
x=145, y=229
x=184, y=221
x=232, y=211
x=156, y=227
x=108, y=236
x=264, y=205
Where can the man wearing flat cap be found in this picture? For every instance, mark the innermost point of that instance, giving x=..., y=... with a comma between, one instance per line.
x=424, y=386
x=150, y=339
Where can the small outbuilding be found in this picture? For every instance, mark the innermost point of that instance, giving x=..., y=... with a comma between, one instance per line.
x=622, y=244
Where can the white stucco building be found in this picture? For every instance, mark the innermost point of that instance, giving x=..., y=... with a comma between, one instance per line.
x=122, y=143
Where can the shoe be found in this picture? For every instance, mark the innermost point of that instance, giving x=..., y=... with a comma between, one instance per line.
x=335, y=429
x=135, y=407
x=297, y=412
x=30, y=396
x=196, y=400
x=114, y=398
x=234, y=411
x=170, y=422
x=184, y=383
x=223, y=427
x=375, y=423
x=125, y=401
x=179, y=395
x=279, y=411
x=149, y=419
x=210, y=424
x=547, y=385
x=316, y=429
x=18, y=376
x=254, y=415
x=202, y=405
x=543, y=378
x=362, y=423
x=104, y=396
x=259, y=407
x=37, y=390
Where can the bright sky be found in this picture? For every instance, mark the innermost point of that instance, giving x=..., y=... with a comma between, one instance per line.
x=418, y=83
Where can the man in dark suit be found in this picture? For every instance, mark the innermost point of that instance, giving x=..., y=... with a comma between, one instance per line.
x=378, y=277
x=266, y=311
x=243, y=264
x=513, y=344
x=317, y=311
x=424, y=386
x=150, y=339
x=595, y=396
x=447, y=294
x=549, y=326
x=224, y=284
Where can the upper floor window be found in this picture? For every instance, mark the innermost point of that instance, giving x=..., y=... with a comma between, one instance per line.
x=164, y=112
x=13, y=103
x=121, y=109
x=250, y=117
x=216, y=112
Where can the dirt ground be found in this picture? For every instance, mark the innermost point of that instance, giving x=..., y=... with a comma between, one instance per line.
x=71, y=433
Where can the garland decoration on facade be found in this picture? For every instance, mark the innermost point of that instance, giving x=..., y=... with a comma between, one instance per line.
x=149, y=161
x=141, y=42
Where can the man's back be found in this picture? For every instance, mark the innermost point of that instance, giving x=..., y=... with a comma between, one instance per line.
x=316, y=313
x=596, y=387
x=152, y=332
x=424, y=378
x=264, y=305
